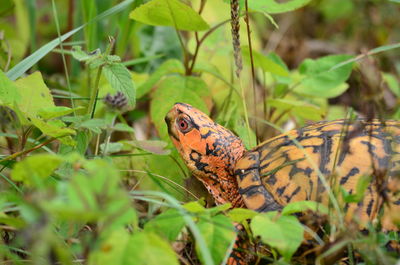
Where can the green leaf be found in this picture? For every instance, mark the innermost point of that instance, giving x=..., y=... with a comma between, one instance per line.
x=301, y=206
x=285, y=233
x=275, y=7
x=35, y=95
x=94, y=195
x=54, y=112
x=270, y=63
x=52, y=128
x=241, y=130
x=169, y=13
x=120, y=79
x=112, y=250
x=95, y=125
x=34, y=169
x=8, y=91
x=392, y=82
x=298, y=108
x=359, y=193
x=241, y=214
x=194, y=207
x=29, y=61
x=171, y=90
x=122, y=127
x=111, y=148
x=219, y=234
x=168, y=67
x=322, y=78
x=82, y=56
x=146, y=248
x=168, y=224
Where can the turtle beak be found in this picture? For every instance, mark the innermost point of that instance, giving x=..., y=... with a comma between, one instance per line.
x=169, y=120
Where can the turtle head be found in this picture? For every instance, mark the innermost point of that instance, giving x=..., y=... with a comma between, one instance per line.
x=209, y=150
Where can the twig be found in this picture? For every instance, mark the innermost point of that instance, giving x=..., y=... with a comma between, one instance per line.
x=28, y=151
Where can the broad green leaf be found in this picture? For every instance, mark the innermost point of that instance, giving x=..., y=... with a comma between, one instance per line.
x=8, y=92
x=169, y=13
x=168, y=67
x=94, y=194
x=171, y=90
x=219, y=208
x=301, y=206
x=167, y=224
x=392, y=82
x=55, y=129
x=120, y=79
x=219, y=234
x=194, y=207
x=35, y=95
x=241, y=130
x=122, y=127
x=111, y=148
x=146, y=248
x=34, y=169
x=268, y=63
x=79, y=55
x=322, y=78
x=241, y=214
x=284, y=233
x=95, y=125
x=54, y=112
x=298, y=108
x=276, y=7
x=112, y=250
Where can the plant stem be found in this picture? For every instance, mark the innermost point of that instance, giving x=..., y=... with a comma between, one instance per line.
x=93, y=98
x=108, y=136
x=62, y=54
x=253, y=76
x=17, y=154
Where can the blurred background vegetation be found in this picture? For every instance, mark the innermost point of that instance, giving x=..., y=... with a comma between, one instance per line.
x=313, y=60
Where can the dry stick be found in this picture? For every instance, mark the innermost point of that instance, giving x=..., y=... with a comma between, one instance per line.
x=27, y=151
x=253, y=76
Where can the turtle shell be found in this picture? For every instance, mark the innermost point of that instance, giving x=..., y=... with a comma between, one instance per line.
x=290, y=166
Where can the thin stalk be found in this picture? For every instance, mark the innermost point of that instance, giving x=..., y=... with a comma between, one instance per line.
x=246, y=115
x=17, y=154
x=62, y=54
x=108, y=136
x=93, y=98
x=253, y=75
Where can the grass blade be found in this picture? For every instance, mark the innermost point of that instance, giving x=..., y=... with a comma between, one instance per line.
x=29, y=61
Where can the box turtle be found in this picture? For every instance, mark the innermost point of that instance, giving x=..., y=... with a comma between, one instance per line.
x=288, y=167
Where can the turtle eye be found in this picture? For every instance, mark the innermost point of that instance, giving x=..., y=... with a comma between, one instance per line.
x=183, y=125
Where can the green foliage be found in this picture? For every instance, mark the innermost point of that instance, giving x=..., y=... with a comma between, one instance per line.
x=169, y=13
x=321, y=78
x=175, y=89
x=33, y=170
x=284, y=233
x=141, y=248
x=83, y=181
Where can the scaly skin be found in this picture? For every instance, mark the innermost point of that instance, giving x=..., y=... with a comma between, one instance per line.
x=209, y=150
x=277, y=171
